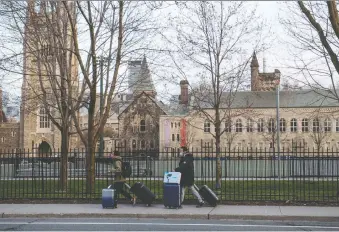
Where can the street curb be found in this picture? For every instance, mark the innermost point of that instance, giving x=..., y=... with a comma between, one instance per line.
x=106, y=215
x=267, y=217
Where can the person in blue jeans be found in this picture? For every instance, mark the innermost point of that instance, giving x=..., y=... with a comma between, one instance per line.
x=186, y=168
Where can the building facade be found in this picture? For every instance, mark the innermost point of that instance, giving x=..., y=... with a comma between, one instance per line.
x=308, y=120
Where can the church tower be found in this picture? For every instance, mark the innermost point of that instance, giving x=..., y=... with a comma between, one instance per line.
x=47, y=40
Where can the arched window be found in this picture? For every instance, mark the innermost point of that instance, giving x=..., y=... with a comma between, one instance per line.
x=207, y=126
x=228, y=126
x=316, y=125
x=304, y=125
x=173, y=137
x=294, y=125
x=238, y=125
x=151, y=144
x=261, y=125
x=249, y=125
x=142, y=125
x=327, y=125
x=282, y=125
x=271, y=125
x=134, y=144
x=43, y=118
x=337, y=125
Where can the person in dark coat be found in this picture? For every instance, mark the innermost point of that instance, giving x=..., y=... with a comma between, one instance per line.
x=186, y=168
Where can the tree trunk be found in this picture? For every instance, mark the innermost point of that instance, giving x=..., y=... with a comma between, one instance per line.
x=64, y=160
x=217, y=145
x=90, y=166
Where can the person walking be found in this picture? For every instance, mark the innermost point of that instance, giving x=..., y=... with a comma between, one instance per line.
x=120, y=184
x=186, y=168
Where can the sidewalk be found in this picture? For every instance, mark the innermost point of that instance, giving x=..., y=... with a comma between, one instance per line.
x=159, y=211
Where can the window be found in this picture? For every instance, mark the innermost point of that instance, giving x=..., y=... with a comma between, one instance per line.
x=261, y=125
x=178, y=137
x=13, y=133
x=337, y=125
x=134, y=144
x=2, y=139
x=151, y=144
x=228, y=126
x=207, y=126
x=142, y=125
x=271, y=125
x=249, y=125
x=294, y=125
x=173, y=137
x=282, y=125
x=175, y=124
x=171, y=124
x=327, y=125
x=44, y=119
x=304, y=125
x=316, y=125
x=238, y=125
x=142, y=144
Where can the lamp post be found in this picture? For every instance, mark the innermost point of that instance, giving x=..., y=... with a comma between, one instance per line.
x=278, y=124
x=101, y=144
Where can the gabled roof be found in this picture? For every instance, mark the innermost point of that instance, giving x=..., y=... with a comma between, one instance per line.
x=159, y=104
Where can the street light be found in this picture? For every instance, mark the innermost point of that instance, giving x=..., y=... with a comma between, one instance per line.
x=278, y=123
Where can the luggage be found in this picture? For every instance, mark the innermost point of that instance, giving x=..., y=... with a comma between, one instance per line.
x=172, y=190
x=108, y=198
x=208, y=195
x=143, y=193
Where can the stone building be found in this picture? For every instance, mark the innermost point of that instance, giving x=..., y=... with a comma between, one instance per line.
x=139, y=118
x=40, y=64
x=308, y=120
x=9, y=131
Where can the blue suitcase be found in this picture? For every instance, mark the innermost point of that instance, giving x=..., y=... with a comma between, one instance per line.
x=172, y=190
x=172, y=195
x=108, y=198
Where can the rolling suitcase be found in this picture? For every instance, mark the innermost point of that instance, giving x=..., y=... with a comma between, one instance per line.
x=108, y=198
x=143, y=193
x=172, y=190
x=208, y=195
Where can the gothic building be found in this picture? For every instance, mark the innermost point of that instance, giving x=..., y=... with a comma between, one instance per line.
x=139, y=117
x=40, y=67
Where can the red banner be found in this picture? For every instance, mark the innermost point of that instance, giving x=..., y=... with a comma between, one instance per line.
x=183, y=133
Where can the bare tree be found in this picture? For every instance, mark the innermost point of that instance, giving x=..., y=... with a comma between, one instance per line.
x=314, y=39
x=212, y=37
x=50, y=83
x=116, y=30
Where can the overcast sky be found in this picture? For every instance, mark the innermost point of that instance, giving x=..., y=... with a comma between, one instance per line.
x=276, y=55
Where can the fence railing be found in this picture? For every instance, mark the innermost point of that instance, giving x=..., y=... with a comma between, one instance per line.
x=250, y=175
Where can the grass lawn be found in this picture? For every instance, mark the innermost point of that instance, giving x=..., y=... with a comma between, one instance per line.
x=231, y=190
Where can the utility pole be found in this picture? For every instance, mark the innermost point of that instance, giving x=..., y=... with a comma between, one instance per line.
x=101, y=145
x=278, y=125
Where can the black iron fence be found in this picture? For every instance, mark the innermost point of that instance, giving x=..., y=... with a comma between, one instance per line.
x=247, y=175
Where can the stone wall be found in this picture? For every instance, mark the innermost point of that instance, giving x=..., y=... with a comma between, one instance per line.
x=9, y=136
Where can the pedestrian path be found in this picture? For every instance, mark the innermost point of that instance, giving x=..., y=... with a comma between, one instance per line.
x=159, y=211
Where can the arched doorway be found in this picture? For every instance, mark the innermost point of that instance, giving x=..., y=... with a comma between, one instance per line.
x=44, y=149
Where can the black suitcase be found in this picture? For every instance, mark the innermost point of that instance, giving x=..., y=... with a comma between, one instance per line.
x=143, y=193
x=208, y=195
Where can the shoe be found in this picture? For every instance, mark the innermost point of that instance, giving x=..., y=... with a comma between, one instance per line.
x=200, y=204
x=180, y=207
x=133, y=201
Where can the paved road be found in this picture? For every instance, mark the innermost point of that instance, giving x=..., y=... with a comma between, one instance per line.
x=110, y=224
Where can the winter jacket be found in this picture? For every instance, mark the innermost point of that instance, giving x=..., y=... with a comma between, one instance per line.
x=117, y=169
x=186, y=168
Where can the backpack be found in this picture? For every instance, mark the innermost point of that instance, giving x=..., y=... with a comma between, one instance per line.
x=126, y=169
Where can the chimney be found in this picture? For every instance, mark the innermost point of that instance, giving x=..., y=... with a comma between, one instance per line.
x=184, y=92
